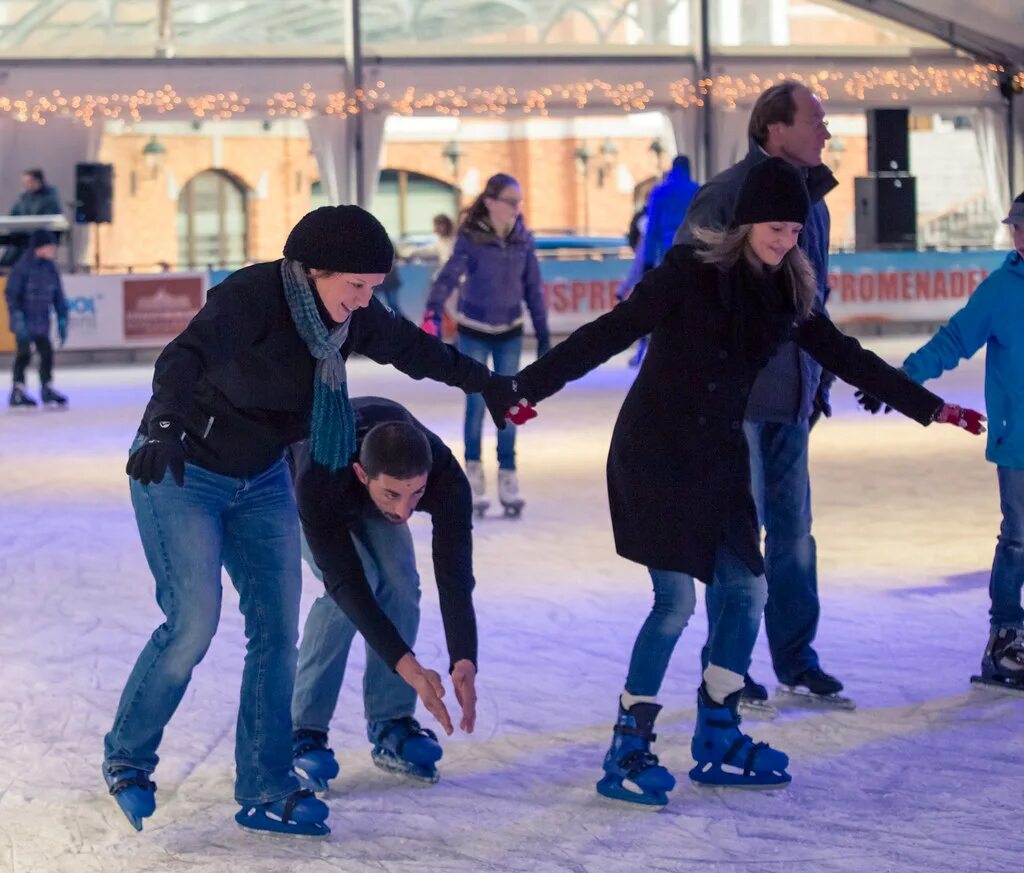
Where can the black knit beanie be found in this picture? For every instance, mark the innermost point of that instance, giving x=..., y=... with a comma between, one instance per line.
x=774, y=190
x=343, y=239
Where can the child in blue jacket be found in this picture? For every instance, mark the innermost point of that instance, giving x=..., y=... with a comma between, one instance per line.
x=33, y=290
x=995, y=316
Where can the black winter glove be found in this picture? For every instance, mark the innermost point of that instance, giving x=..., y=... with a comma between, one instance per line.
x=162, y=449
x=501, y=394
x=871, y=403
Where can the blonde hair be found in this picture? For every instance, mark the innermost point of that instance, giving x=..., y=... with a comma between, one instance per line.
x=724, y=248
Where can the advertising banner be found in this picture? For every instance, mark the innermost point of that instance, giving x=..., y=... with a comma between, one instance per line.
x=158, y=308
x=95, y=304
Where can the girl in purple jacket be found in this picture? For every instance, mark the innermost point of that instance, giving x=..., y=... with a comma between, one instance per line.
x=495, y=270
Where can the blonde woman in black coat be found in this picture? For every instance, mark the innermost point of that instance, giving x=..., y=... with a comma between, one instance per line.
x=678, y=470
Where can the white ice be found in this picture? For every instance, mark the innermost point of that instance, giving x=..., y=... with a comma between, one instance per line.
x=925, y=776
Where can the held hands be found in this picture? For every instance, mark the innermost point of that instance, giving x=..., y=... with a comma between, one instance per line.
x=427, y=684
x=505, y=400
x=969, y=419
x=162, y=449
x=431, y=324
x=464, y=680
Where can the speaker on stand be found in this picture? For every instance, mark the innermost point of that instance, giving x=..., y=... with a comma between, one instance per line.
x=885, y=215
x=94, y=198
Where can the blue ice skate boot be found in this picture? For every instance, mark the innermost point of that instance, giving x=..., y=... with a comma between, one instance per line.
x=727, y=757
x=401, y=746
x=632, y=771
x=312, y=761
x=133, y=790
x=300, y=814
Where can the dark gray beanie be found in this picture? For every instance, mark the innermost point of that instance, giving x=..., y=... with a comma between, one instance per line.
x=774, y=190
x=343, y=239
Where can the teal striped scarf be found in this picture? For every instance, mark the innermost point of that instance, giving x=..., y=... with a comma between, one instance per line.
x=332, y=428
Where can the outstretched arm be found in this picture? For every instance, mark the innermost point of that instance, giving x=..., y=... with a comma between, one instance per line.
x=845, y=357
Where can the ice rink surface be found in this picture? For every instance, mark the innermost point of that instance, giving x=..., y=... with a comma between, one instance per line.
x=925, y=776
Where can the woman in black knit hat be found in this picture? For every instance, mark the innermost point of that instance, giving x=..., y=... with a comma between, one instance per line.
x=678, y=469
x=261, y=366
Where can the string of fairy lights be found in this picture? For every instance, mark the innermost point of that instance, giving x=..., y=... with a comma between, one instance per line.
x=898, y=83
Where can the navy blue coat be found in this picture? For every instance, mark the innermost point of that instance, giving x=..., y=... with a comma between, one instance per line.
x=34, y=289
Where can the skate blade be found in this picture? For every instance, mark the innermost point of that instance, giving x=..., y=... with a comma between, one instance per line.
x=758, y=710
x=405, y=770
x=716, y=776
x=513, y=510
x=615, y=790
x=997, y=685
x=804, y=697
x=282, y=835
x=480, y=509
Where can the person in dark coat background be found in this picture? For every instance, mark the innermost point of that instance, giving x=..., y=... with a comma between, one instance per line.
x=789, y=395
x=261, y=366
x=37, y=197
x=678, y=472
x=33, y=291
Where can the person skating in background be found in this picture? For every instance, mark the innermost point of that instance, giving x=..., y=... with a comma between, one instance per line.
x=34, y=293
x=261, y=366
x=358, y=529
x=787, y=121
x=678, y=470
x=994, y=317
x=666, y=207
x=495, y=269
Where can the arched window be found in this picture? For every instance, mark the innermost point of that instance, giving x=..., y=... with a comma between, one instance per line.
x=406, y=202
x=212, y=222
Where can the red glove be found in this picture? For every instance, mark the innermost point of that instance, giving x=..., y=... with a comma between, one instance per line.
x=521, y=413
x=968, y=419
x=430, y=324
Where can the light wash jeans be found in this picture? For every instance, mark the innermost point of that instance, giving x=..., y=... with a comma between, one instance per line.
x=251, y=528
x=735, y=601
x=386, y=552
x=506, y=354
x=1007, y=577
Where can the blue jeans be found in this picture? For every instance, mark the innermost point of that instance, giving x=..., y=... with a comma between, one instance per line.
x=386, y=552
x=506, y=354
x=251, y=528
x=781, y=485
x=735, y=602
x=1004, y=585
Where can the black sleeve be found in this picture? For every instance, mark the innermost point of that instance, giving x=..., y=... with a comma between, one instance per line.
x=388, y=338
x=614, y=332
x=322, y=513
x=232, y=318
x=845, y=357
x=449, y=501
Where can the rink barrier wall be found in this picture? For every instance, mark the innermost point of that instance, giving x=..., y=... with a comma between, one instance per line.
x=868, y=288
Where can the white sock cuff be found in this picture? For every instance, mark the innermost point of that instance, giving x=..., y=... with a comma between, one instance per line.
x=627, y=699
x=720, y=682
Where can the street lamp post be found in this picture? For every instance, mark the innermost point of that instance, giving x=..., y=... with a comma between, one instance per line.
x=583, y=156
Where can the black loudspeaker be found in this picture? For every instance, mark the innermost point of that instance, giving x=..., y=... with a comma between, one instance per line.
x=886, y=212
x=94, y=193
x=888, y=141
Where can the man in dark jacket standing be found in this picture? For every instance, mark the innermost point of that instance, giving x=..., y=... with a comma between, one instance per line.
x=789, y=394
x=37, y=198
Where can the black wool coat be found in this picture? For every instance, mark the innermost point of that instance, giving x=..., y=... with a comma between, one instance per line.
x=678, y=467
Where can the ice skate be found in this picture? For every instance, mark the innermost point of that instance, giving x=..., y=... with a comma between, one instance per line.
x=725, y=756
x=817, y=689
x=134, y=792
x=632, y=771
x=402, y=747
x=53, y=399
x=1002, y=665
x=313, y=762
x=508, y=493
x=300, y=814
x=754, y=701
x=19, y=400
x=478, y=485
